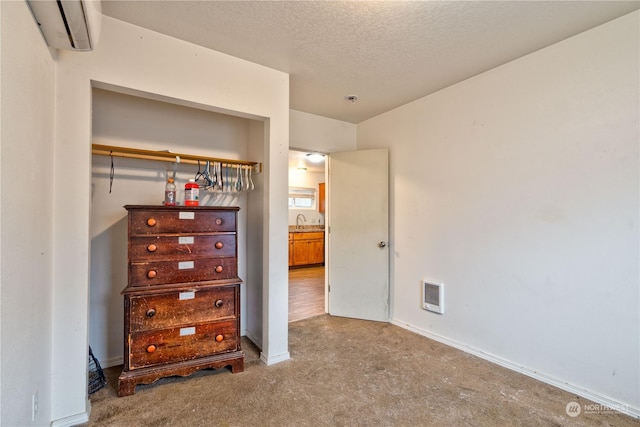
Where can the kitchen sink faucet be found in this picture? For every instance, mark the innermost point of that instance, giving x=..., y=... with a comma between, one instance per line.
x=298, y=220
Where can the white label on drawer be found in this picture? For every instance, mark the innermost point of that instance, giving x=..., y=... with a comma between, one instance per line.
x=187, y=331
x=185, y=265
x=185, y=240
x=187, y=295
x=187, y=215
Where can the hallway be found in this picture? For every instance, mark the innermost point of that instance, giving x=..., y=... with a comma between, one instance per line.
x=306, y=293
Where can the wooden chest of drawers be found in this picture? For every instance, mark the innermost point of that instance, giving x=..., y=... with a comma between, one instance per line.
x=182, y=301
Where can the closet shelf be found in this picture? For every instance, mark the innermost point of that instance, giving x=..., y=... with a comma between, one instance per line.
x=166, y=156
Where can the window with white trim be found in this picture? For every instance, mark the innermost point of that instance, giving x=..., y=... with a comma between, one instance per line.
x=302, y=198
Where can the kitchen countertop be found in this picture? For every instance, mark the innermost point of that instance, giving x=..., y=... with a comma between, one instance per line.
x=306, y=228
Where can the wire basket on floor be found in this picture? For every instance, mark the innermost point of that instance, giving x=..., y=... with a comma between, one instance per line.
x=96, y=375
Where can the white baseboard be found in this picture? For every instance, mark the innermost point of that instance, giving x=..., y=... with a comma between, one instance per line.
x=112, y=361
x=272, y=360
x=74, y=420
x=587, y=394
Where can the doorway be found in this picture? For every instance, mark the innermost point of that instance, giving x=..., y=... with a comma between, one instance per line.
x=306, y=221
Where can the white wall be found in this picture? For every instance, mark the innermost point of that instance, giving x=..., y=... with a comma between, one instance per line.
x=255, y=329
x=518, y=189
x=128, y=121
x=26, y=236
x=316, y=133
x=134, y=60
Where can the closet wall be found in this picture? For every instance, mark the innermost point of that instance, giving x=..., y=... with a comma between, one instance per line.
x=130, y=121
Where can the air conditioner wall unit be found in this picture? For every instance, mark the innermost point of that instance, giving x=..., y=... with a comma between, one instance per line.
x=65, y=23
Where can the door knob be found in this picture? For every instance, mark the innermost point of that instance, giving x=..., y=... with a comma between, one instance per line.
x=382, y=244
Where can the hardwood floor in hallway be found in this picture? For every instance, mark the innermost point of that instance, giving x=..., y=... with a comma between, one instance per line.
x=306, y=292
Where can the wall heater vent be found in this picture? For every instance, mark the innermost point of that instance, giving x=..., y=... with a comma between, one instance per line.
x=433, y=297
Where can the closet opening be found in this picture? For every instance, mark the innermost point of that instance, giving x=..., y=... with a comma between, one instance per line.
x=124, y=120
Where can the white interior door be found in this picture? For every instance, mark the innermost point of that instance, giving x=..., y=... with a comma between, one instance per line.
x=358, y=254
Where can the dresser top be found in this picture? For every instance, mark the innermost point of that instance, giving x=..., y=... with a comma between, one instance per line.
x=181, y=208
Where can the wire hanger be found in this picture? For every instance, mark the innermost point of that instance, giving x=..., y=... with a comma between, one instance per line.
x=112, y=173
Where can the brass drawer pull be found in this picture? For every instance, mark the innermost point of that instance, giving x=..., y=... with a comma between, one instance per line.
x=218, y=221
x=151, y=348
x=219, y=269
x=219, y=303
x=219, y=338
x=151, y=274
x=219, y=245
x=151, y=222
x=151, y=312
x=152, y=248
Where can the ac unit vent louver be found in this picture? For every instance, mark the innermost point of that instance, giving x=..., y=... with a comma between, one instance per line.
x=63, y=23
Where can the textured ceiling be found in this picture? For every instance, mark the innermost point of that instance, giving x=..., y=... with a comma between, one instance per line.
x=386, y=52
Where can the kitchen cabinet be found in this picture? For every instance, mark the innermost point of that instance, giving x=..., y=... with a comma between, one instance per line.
x=321, y=198
x=306, y=248
x=290, y=249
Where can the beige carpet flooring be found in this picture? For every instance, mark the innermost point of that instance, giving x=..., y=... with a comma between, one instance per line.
x=346, y=372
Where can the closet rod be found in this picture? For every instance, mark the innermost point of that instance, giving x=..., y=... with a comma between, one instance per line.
x=164, y=156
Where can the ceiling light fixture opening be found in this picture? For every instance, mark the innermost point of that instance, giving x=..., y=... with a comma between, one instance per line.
x=352, y=98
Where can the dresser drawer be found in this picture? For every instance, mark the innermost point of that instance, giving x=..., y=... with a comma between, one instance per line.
x=180, y=246
x=160, y=346
x=145, y=273
x=181, y=221
x=177, y=308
